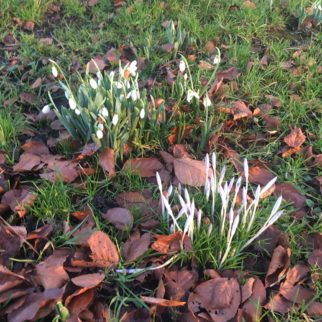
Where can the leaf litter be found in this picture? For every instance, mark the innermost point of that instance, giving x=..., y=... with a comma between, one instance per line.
x=38, y=278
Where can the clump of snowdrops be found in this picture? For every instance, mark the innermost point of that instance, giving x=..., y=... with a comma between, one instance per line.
x=233, y=218
x=109, y=109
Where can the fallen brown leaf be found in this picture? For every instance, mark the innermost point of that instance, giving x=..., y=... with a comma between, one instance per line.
x=36, y=305
x=190, y=172
x=291, y=194
x=145, y=167
x=295, y=139
x=88, y=280
x=107, y=161
x=19, y=200
x=136, y=246
x=216, y=299
x=279, y=264
x=103, y=251
x=35, y=147
x=51, y=272
x=162, y=302
x=121, y=218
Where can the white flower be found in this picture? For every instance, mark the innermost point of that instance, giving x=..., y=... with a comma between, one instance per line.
x=133, y=67
x=100, y=126
x=99, y=134
x=182, y=66
x=67, y=94
x=104, y=112
x=216, y=60
x=185, y=76
x=54, y=71
x=77, y=111
x=134, y=94
x=93, y=83
x=121, y=97
x=99, y=76
x=206, y=101
x=46, y=109
x=191, y=94
x=72, y=103
x=115, y=119
x=118, y=85
x=142, y=113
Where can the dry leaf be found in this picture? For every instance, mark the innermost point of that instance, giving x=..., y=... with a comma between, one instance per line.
x=107, y=161
x=103, y=251
x=136, y=246
x=190, y=172
x=162, y=302
x=216, y=300
x=121, y=218
x=295, y=139
x=88, y=280
x=145, y=167
x=279, y=264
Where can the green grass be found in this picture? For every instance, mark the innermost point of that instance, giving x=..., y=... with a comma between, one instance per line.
x=53, y=203
x=12, y=124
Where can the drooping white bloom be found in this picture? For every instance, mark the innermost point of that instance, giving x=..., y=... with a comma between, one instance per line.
x=185, y=76
x=99, y=134
x=54, y=71
x=93, y=83
x=142, y=113
x=118, y=85
x=182, y=66
x=104, y=112
x=216, y=60
x=45, y=109
x=206, y=101
x=115, y=119
x=191, y=94
x=72, y=103
x=77, y=111
x=99, y=76
x=134, y=94
x=100, y=126
x=133, y=67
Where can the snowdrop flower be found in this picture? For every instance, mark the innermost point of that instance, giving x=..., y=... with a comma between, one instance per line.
x=182, y=66
x=191, y=94
x=133, y=67
x=142, y=113
x=104, y=112
x=118, y=85
x=115, y=119
x=54, y=71
x=67, y=94
x=206, y=101
x=134, y=94
x=99, y=76
x=72, y=103
x=93, y=83
x=99, y=134
x=121, y=97
x=100, y=126
x=216, y=60
x=45, y=109
x=185, y=76
x=77, y=111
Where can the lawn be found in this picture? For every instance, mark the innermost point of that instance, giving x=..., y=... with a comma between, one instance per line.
x=160, y=160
